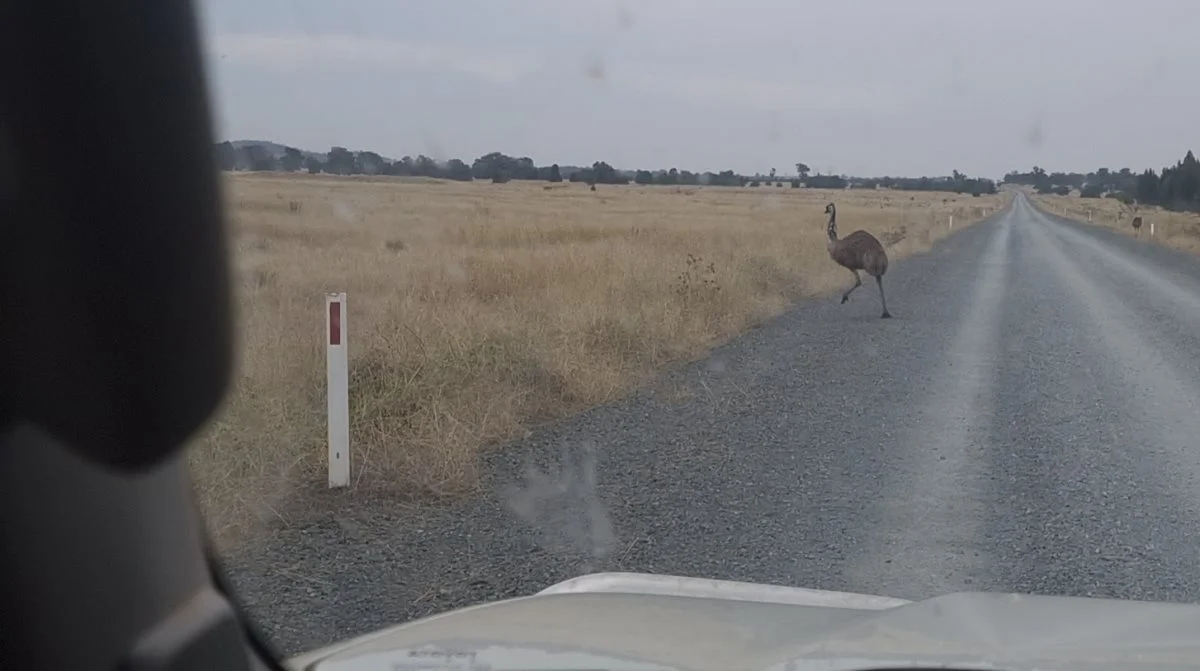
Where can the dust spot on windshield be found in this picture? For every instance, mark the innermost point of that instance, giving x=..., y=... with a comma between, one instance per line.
x=1034, y=136
x=455, y=273
x=595, y=68
x=624, y=17
x=562, y=507
x=717, y=365
x=343, y=211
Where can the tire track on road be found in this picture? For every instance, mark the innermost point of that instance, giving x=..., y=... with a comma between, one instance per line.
x=1104, y=497
x=929, y=541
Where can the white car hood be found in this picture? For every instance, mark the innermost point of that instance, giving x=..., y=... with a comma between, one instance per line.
x=630, y=621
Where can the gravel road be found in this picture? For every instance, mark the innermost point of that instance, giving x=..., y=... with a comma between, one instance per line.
x=1028, y=421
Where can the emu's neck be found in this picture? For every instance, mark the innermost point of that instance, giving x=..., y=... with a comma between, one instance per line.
x=831, y=229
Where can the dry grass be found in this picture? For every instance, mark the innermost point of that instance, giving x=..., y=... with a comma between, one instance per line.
x=1180, y=230
x=476, y=310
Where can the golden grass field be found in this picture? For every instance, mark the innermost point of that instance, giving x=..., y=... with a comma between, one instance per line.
x=477, y=310
x=1180, y=230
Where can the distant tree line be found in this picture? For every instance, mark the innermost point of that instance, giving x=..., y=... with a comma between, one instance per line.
x=1174, y=187
x=500, y=168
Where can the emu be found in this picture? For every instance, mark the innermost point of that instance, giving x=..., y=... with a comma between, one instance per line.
x=1137, y=226
x=857, y=251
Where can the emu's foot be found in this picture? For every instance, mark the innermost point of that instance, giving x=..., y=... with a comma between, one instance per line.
x=886, y=316
x=845, y=297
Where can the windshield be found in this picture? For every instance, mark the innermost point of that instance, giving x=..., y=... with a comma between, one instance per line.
x=898, y=299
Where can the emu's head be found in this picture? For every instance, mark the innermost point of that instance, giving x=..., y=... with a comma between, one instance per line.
x=829, y=209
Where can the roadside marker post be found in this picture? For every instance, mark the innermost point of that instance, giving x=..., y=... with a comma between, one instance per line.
x=337, y=384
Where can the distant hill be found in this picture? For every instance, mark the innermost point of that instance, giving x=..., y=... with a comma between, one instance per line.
x=265, y=155
x=275, y=149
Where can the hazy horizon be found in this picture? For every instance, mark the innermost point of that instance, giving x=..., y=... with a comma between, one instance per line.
x=702, y=85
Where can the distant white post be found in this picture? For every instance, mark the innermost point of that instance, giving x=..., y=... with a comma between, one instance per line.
x=951, y=224
x=1152, y=229
x=337, y=376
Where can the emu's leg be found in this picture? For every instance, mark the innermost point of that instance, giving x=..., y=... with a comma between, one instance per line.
x=879, y=281
x=857, y=284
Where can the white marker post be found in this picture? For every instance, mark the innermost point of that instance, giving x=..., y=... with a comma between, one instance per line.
x=337, y=376
x=1152, y=229
x=951, y=224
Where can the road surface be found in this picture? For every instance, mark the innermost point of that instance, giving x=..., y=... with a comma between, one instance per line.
x=1028, y=421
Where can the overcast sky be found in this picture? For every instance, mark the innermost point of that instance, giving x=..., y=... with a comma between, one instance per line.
x=898, y=87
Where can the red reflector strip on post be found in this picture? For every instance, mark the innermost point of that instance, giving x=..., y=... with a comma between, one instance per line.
x=335, y=323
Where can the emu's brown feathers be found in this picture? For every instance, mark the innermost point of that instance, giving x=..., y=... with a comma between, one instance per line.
x=858, y=251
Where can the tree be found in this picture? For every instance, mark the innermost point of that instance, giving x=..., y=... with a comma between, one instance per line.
x=458, y=171
x=425, y=167
x=292, y=159
x=1188, y=184
x=404, y=167
x=826, y=182
x=227, y=156
x=1147, y=187
x=555, y=174
x=341, y=161
x=524, y=168
x=603, y=173
x=260, y=158
x=496, y=163
x=802, y=170
x=370, y=163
